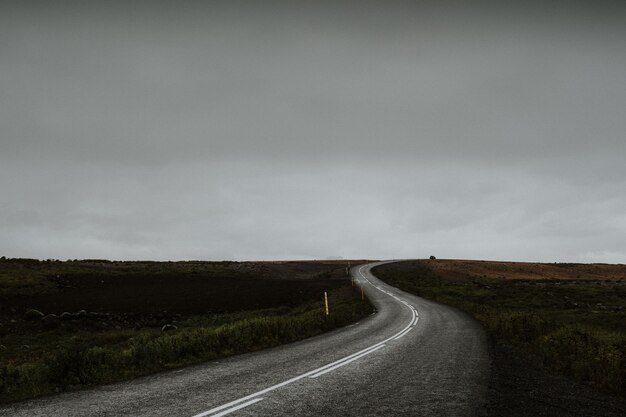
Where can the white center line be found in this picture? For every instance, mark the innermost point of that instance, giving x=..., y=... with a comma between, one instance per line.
x=403, y=333
x=346, y=362
x=239, y=407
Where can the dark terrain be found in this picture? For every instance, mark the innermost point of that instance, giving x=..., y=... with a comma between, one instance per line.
x=175, y=293
x=519, y=389
x=68, y=325
x=131, y=292
x=557, y=331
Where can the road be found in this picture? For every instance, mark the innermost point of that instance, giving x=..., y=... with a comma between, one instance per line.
x=413, y=357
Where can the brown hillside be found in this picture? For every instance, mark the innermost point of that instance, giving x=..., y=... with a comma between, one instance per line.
x=527, y=270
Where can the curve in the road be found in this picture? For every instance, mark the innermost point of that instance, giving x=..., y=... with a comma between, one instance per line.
x=396, y=362
x=255, y=397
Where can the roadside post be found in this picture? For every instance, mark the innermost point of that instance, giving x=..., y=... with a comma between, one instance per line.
x=348, y=271
x=326, y=302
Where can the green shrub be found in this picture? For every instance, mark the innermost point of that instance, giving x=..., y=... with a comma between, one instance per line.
x=21, y=381
x=517, y=326
x=586, y=355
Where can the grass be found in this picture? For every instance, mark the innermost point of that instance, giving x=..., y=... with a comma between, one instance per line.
x=54, y=362
x=110, y=315
x=575, y=327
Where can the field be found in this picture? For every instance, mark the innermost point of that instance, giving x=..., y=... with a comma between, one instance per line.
x=69, y=325
x=570, y=318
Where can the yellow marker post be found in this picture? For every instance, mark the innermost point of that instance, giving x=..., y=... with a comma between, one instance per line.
x=326, y=302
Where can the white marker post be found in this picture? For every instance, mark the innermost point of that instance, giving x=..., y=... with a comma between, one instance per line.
x=326, y=302
x=348, y=273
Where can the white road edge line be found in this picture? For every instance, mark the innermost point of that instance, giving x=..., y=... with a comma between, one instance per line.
x=346, y=362
x=414, y=314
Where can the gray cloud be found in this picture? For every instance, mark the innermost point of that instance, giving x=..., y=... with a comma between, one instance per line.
x=247, y=131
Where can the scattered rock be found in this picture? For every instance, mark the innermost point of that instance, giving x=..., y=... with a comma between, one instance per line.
x=33, y=314
x=67, y=316
x=96, y=315
x=51, y=321
x=2, y=347
x=74, y=316
x=168, y=327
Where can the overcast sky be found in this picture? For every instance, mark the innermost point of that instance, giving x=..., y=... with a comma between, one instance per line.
x=313, y=129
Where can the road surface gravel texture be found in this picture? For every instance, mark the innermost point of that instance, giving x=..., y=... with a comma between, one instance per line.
x=413, y=357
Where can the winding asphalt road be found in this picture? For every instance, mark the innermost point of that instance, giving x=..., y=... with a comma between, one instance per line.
x=413, y=358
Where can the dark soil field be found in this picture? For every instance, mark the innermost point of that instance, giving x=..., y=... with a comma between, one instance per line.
x=175, y=293
x=68, y=325
x=128, y=293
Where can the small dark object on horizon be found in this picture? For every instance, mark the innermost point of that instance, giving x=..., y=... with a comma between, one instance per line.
x=432, y=257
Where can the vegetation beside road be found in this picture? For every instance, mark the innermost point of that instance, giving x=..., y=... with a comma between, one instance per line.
x=572, y=324
x=121, y=341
